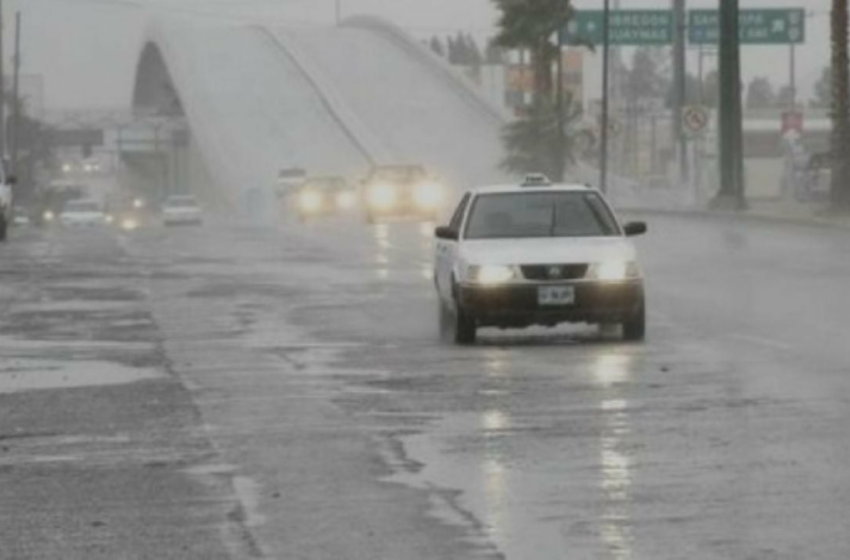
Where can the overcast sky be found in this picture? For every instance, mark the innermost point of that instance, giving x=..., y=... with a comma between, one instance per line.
x=86, y=49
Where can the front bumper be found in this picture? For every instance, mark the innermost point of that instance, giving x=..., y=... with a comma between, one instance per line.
x=517, y=305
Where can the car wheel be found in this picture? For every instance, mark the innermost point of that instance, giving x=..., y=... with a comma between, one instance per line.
x=4, y=226
x=444, y=321
x=634, y=329
x=465, y=328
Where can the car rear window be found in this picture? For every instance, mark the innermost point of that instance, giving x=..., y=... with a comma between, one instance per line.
x=540, y=214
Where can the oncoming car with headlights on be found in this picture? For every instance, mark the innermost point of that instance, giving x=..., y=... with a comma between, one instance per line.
x=402, y=191
x=537, y=254
x=324, y=196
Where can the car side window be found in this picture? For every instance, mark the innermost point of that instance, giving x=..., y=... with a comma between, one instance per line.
x=457, y=217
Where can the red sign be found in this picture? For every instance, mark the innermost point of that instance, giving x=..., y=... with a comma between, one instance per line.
x=792, y=120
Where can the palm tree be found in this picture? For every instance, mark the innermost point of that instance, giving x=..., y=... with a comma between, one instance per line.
x=540, y=141
x=530, y=25
x=840, y=107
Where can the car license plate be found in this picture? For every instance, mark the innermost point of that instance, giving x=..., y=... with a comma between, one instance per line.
x=556, y=295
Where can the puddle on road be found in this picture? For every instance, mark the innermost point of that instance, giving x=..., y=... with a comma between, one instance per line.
x=18, y=376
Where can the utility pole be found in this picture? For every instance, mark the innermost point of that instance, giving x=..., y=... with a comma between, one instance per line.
x=559, y=104
x=679, y=86
x=16, y=101
x=603, y=133
x=731, y=195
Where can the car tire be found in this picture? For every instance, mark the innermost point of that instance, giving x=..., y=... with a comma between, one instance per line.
x=465, y=329
x=4, y=228
x=634, y=329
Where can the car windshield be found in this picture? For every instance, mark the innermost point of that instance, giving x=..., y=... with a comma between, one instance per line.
x=540, y=214
x=82, y=206
x=181, y=202
x=399, y=173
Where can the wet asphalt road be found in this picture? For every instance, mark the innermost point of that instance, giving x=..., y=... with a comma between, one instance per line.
x=227, y=392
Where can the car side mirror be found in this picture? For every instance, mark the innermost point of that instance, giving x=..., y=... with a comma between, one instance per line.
x=447, y=233
x=635, y=228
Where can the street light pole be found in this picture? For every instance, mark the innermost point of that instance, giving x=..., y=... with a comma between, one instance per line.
x=603, y=133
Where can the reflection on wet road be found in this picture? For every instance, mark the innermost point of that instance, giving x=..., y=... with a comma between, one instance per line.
x=314, y=358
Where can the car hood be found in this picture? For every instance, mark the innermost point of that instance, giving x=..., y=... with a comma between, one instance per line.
x=560, y=250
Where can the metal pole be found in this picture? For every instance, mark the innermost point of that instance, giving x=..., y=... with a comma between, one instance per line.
x=16, y=101
x=679, y=79
x=731, y=194
x=792, y=73
x=2, y=91
x=560, y=108
x=700, y=92
x=603, y=156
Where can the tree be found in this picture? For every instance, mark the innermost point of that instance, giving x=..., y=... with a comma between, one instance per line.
x=494, y=55
x=711, y=89
x=473, y=56
x=692, y=93
x=760, y=94
x=647, y=78
x=823, y=90
x=534, y=144
x=436, y=46
x=540, y=141
x=531, y=24
x=786, y=97
x=840, y=189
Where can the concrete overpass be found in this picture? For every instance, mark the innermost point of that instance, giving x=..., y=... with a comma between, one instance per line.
x=332, y=100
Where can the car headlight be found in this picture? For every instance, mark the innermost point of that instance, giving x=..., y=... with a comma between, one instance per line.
x=310, y=201
x=382, y=196
x=491, y=275
x=138, y=204
x=345, y=200
x=614, y=271
x=109, y=218
x=49, y=216
x=428, y=195
x=129, y=224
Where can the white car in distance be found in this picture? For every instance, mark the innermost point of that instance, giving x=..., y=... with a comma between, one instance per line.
x=82, y=212
x=537, y=254
x=181, y=210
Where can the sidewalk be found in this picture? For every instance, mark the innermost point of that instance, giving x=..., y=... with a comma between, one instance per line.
x=683, y=202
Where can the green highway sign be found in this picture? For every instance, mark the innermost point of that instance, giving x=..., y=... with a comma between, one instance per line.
x=758, y=27
x=655, y=27
x=627, y=27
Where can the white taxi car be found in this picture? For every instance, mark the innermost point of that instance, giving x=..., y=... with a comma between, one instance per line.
x=537, y=254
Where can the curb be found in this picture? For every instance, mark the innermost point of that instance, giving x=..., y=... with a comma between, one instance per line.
x=732, y=216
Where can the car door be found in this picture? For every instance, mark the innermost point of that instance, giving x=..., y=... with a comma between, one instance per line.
x=447, y=252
